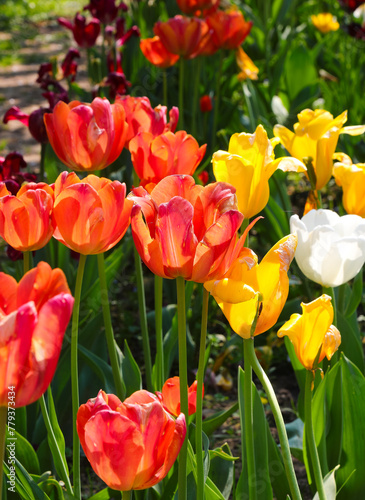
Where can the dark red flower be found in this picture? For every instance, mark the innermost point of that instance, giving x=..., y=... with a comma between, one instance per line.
x=105, y=10
x=68, y=65
x=206, y=104
x=34, y=121
x=10, y=172
x=356, y=30
x=351, y=5
x=85, y=34
x=118, y=84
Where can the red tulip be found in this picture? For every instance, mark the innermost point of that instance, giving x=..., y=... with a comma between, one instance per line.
x=92, y=215
x=104, y=10
x=87, y=136
x=25, y=219
x=130, y=445
x=157, y=157
x=33, y=318
x=183, y=229
x=85, y=35
x=156, y=53
x=192, y=6
x=180, y=35
x=229, y=28
x=206, y=104
x=170, y=396
x=34, y=121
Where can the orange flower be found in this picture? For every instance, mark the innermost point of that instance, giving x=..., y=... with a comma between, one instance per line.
x=25, y=219
x=130, y=445
x=229, y=28
x=180, y=35
x=170, y=396
x=183, y=229
x=194, y=6
x=246, y=65
x=92, y=215
x=141, y=117
x=166, y=154
x=156, y=53
x=33, y=318
x=87, y=137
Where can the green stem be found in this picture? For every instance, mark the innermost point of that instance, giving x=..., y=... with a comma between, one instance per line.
x=26, y=261
x=127, y=495
x=309, y=432
x=52, y=438
x=183, y=373
x=3, y=419
x=181, y=93
x=160, y=368
x=331, y=292
x=288, y=464
x=196, y=94
x=164, y=86
x=248, y=344
x=199, y=399
x=119, y=386
x=42, y=164
x=75, y=377
x=216, y=100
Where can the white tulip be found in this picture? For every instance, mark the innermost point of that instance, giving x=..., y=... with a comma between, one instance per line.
x=331, y=249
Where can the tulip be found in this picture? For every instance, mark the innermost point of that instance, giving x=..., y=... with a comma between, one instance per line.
x=130, y=445
x=10, y=172
x=156, y=53
x=85, y=35
x=34, y=121
x=183, y=229
x=87, y=136
x=141, y=117
x=170, y=396
x=33, y=318
x=312, y=332
x=331, y=249
x=25, y=219
x=247, y=165
x=104, y=10
x=117, y=83
x=246, y=65
x=180, y=35
x=195, y=6
x=229, y=28
x=206, y=104
x=247, y=283
x=90, y=215
x=315, y=136
x=325, y=22
x=352, y=180
x=167, y=154
x=68, y=65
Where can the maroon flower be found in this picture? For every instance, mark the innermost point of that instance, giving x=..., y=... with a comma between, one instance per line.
x=85, y=34
x=68, y=65
x=10, y=172
x=356, y=30
x=105, y=10
x=34, y=121
x=118, y=84
x=351, y=5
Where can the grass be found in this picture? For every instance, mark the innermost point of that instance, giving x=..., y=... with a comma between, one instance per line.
x=36, y=10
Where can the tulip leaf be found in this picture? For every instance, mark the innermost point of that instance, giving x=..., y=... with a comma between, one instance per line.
x=221, y=470
x=130, y=370
x=210, y=424
x=356, y=295
x=300, y=71
x=277, y=221
x=18, y=486
x=277, y=473
x=351, y=343
x=29, y=484
x=329, y=484
x=106, y=494
x=24, y=452
x=99, y=367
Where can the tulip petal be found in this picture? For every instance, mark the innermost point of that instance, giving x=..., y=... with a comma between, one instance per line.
x=8, y=290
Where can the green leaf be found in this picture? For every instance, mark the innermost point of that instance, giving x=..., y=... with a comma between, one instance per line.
x=221, y=470
x=106, y=494
x=29, y=484
x=329, y=484
x=99, y=367
x=356, y=295
x=294, y=431
x=18, y=486
x=300, y=71
x=351, y=343
x=212, y=423
x=24, y=452
x=130, y=370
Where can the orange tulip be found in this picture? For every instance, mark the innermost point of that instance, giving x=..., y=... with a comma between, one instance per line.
x=92, y=215
x=87, y=137
x=33, y=318
x=25, y=219
x=229, y=28
x=156, y=53
x=168, y=153
x=130, y=445
x=194, y=6
x=170, y=396
x=141, y=117
x=180, y=35
x=246, y=283
x=183, y=229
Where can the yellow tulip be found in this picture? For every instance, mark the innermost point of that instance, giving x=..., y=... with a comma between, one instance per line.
x=248, y=165
x=315, y=135
x=313, y=330
x=247, y=283
x=246, y=65
x=325, y=22
x=352, y=179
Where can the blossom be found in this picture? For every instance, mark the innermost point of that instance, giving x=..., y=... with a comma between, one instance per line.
x=10, y=172
x=34, y=314
x=247, y=67
x=87, y=136
x=247, y=165
x=170, y=396
x=195, y=6
x=331, y=249
x=206, y=104
x=325, y=22
x=313, y=331
x=248, y=285
x=229, y=28
x=90, y=215
x=180, y=35
x=156, y=53
x=34, y=121
x=130, y=445
x=25, y=219
x=315, y=136
x=85, y=34
x=184, y=229
x=352, y=180
x=104, y=10
x=154, y=158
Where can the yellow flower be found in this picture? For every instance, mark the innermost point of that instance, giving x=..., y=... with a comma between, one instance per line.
x=313, y=330
x=325, y=22
x=247, y=283
x=352, y=179
x=315, y=135
x=246, y=65
x=247, y=165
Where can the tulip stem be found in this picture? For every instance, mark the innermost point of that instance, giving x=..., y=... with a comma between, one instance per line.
x=181, y=92
x=183, y=373
x=160, y=368
x=75, y=377
x=164, y=86
x=127, y=495
x=275, y=408
x=26, y=261
x=105, y=304
x=217, y=98
x=248, y=411
x=43, y=161
x=309, y=432
x=3, y=419
x=199, y=399
x=197, y=63
x=52, y=437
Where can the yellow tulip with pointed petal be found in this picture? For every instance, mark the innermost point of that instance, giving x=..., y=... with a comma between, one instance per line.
x=248, y=165
x=351, y=177
x=313, y=330
x=325, y=22
x=247, y=283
